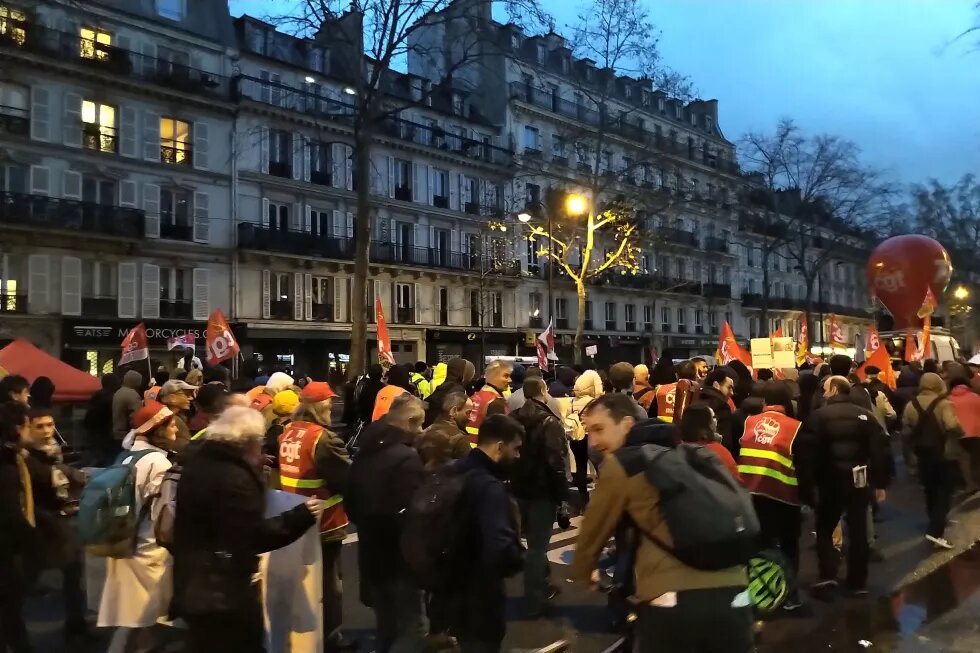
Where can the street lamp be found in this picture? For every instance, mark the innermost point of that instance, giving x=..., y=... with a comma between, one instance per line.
x=576, y=204
x=961, y=293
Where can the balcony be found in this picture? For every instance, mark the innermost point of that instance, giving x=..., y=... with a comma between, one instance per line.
x=562, y=323
x=37, y=211
x=717, y=290
x=403, y=193
x=178, y=309
x=680, y=237
x=321, y=178
x=560, y=160
x=99, y=138
x=532, y=153
x=14, y=121
x=100, y=306
x=68, y=47
x=588, y=325
x=323, y=312
x=178, y=155
x=282, y=169
x=13, y=303
x=772, y=228
x=294, y=99
x=472, y=208
x=535, y=322
x=440, y=201
x=257, y=237
x=172, y=231
x=610, y=325
x=281, y=309
x=713, y=244
x=440, y=139
x=405, y=315
x=631, y=327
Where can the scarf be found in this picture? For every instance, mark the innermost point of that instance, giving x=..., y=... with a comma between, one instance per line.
x=27, y=492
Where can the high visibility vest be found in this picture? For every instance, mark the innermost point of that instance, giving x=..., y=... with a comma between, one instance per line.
x=255, y=392
x=382, y=403
x=766, y=456
x=152, y=393
x=298, y=473
x=421, y=384
x=260, y=402
x=481, y=401
x=666, y=396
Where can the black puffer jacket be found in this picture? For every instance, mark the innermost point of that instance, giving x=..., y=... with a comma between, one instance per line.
x=540, y=471
x=840, y=436
x=723, y=412
x=220, y=530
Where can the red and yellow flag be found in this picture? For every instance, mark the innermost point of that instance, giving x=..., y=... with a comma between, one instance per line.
x=221, y=342
x=384, y=342
x=880, y=360
x=920, y=351
x=803, y=348
x=837, y=340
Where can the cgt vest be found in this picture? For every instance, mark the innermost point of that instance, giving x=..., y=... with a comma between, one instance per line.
x=766, y=457
x=152, y=393
x=382, y=403
x=481, y=401
x=672, y=398
x=298, y=473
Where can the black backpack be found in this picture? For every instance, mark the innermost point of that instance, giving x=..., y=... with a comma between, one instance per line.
x=711, y=518
x=432, y=534
x=928, y=432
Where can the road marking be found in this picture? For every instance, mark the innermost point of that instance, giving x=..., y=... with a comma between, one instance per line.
x=615, y=646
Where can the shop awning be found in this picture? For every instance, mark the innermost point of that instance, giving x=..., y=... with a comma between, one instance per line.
x=70, y=384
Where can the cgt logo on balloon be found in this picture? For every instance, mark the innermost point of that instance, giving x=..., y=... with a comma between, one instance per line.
x=890, y=281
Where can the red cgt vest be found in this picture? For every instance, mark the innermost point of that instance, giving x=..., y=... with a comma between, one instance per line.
x=766, y=458
x=481, y=401
x=298, y=474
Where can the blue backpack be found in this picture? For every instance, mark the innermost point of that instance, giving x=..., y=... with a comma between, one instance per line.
x=107, y=518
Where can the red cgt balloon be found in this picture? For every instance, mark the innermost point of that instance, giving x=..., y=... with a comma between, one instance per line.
x=900, y=272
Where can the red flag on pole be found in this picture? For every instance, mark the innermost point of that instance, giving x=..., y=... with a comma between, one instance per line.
x=185, y=340
x=221, y=343
x=729, y=349
x=873, y=341
x=837, y=340
x=384, y=343
x=546, y=345
x=879, y=358
x=917, y=352
x=135, y=346
x=803, y=348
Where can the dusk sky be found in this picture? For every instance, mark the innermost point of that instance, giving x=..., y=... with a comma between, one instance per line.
x=883, y=73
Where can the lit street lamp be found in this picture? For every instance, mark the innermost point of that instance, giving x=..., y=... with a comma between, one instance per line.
x=961, y=293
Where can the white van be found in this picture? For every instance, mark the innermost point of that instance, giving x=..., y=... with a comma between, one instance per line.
x=943, y=346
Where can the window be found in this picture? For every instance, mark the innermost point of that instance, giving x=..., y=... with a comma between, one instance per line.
x=588, y=314
x=610, y=316
x=175, y=141
x=665, y=319
x=532, y=138
x=281, y=293
x=94, y=43
x=557, y=146
x=698, y=321
x=321, y=167
x=14, y=103
x=175, y=286
x=532, y=254
x=648, y=318
x=320, y=223
x=457, y=104
x=99, y=126
x=13, y=21
x=630, y=312
x=605, y=162
x=280, y=153
x=495, y=309
x=403, y=180
x=404, y=303
x=713, y=320
x=278, y=216
x=13, y=178
x=680, y=316
x=440, y=188
x=172, y=9
x=533, y=193
x=98, y=191
x=542, y=53
x=475, y=308
x=561, y=313
x=271, y=92
x=99, y=279
x=515, y=40
x=564, y=65
x=175, y=215
x=534, y=301
x=443, y=305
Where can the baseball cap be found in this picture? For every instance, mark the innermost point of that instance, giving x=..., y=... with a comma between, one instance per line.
x=316, y=391
x=176, y=386
x=150, y=416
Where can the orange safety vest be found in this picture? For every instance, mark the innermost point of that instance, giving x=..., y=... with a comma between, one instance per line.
x=152, y=393
x=382, y=403
x=298, y=473
x=255, y=392
x=666, y=395
x=481, y=401
x=766, y=457
x=260, y=402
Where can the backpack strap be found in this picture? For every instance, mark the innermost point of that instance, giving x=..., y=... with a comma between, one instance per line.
x=642, y=393
x=928, y=413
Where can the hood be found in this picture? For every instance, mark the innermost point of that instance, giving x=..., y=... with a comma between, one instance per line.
x=960, y=390
x=907, y=378
x=111, y=383
x=277, y=383
x=931, y=382
x=565, y=376
x=588, y=385
x=439, y=374
x=379, y=436
x=460, y=370
x=132, y=379
x=651, y=431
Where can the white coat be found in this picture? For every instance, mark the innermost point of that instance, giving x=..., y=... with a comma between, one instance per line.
x=137, y=589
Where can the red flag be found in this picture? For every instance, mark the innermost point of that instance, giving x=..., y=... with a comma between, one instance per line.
x=542, y=356
x=135, y=346
x=729, y=349
x=803, y=348
x=546, y=345
x=873, y=341
x=879, y=358
x=928, y=305
x=654, y=357
x=917, y=352
x=837, y=340
x=778, y=333
x=384, y=344
x=185, y=340
x=220, y=341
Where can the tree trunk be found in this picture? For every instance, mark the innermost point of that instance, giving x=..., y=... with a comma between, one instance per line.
x=580, y=322
x=764, y=313
x=808, y=309
x=362, y=252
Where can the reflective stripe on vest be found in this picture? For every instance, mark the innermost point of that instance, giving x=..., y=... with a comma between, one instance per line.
x=481, y=401
x=198, y=435
x=666, y=396
x=298, y=473
x=765, y=458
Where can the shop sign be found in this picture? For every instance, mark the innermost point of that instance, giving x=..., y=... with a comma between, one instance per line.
x=112, y=333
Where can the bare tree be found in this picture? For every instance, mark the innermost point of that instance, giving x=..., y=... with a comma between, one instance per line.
x=823, y=194
x=378, y=37
x=951, y=215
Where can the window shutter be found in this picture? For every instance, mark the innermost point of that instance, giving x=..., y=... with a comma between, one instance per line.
x=298, y=302
x=202, y=293
x=419, y=184
x=127, y=132
x=454, y=240
x=296, y=218
x=126, y=301
x=305, y=156
x=71, y=285
x=457, y=306
x=264, y=146
x=339, y=293
x=151, y=291
x=350, y=224
x=72, y=128
x=337, y=158
x=40, y=180
x=430, y=173
x=508, y=309
x=40, y=113
x=266, y=294
x=298, y=157
x=151, y=207
x=201, y=146
x=38, y=283
x=149, y=58
x=151, y=136
x=349, y=166
x=127, y=193
x=308, y=295
x=417, y=302
x=202, y=217
x=337, y=226
x=71, y=185
x=454, y=191
x=308, y=220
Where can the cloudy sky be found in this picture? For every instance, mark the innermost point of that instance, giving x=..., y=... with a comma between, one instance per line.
x=883, y=73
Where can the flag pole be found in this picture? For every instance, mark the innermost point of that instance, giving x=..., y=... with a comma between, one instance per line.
x=149, y=367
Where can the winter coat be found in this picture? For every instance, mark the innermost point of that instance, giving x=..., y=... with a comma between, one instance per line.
x=98, y=415
x=19, y=537
x=966, y=404
x=445, y=379
x=56, y=539
x=220, y=530
x=125, y=402
x=440, y=443
x=836, y=438
x=540, y=471
x=366, y=396
x=931, y=387
x=385, y=474
x=723, y=413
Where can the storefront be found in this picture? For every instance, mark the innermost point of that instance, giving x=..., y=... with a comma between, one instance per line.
x=443, y=344
x=94, y=344
x=690, y=346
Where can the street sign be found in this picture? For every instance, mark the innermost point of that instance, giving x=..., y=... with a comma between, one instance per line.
x=591, y=350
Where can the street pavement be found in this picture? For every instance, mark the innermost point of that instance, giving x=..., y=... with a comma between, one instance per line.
x=920, y=600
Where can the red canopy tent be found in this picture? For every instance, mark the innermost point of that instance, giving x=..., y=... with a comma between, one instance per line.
x=70, y=384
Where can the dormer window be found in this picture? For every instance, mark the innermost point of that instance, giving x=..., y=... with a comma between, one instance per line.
x=588, y=74
x=709, y=123
x=661, y=105
x=564, y=65
x=542, y=53
x=645, y=98
x=678, y=111
x=457, y=104
x=172, y=9
x=628, y=91
x=515, y=41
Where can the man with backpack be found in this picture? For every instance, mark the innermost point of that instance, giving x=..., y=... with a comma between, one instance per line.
x=682, y=608
x=930, y=424
x=667, y=399
x=540, y=484
x=642, y=390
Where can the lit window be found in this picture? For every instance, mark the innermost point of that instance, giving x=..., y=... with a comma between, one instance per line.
x=99, y=126
x=13, y=22
x=172, y=9
x=10, y=295
x=95, y=43
x=92, y=362
x=175, y=141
